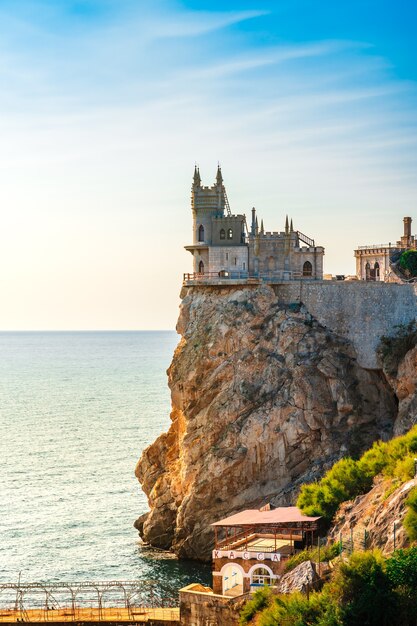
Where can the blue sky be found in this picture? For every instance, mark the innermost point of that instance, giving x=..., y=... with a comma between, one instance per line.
x=105, y=106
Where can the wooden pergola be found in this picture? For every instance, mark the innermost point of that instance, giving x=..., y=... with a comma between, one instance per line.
x=240, y=531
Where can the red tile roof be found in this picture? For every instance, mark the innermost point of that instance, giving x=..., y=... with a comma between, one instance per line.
x=252, y=517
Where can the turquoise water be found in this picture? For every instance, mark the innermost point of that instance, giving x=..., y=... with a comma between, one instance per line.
x=76, y=410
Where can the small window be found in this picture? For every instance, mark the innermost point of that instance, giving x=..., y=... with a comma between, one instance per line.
x=376, y=268
x=201, y=267
x=230, y=234
x=307, y=269
x=235, y=261
x=222, y=234
x=227, y=256
x=201, y=233
x=244, y=266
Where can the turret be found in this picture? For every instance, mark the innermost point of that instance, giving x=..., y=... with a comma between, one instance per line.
x=197, y=178
x=219, y=177
x=253, y=225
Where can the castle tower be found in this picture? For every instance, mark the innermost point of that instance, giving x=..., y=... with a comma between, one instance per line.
x=214, y=232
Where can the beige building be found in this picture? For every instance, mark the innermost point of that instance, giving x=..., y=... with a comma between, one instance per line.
x=224, y=247
x=373, y=262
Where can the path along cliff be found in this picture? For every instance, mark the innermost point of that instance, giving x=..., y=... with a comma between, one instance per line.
x=263, y=399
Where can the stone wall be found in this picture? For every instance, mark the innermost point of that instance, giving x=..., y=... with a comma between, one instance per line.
x=359, y=311
x=204, y=608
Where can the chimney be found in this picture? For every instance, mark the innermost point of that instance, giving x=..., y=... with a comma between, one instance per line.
x=407, y=228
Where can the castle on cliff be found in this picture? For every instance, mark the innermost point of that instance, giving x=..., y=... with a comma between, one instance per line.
x=225, y=247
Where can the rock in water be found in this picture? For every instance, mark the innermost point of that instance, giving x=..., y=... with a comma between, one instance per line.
x=263, y=398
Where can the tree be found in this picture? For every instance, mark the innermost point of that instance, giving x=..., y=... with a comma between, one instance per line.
x=401, y=570
x=408, y=262
x=364, y=592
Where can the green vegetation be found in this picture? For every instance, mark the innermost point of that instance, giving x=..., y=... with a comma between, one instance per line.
x=393, y=349
x=408, y=262
x=368, y=589
x=327, y=553
x=259, y=601
x=410, y=520
x=349, y=478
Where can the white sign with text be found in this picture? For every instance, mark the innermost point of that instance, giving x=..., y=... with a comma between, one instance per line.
x=259, y=556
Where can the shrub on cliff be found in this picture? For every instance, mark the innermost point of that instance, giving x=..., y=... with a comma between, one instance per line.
x=363, y=591
x=410, y=520
x=348, y=478
x=327, y=553
x=393, y=349
x=408, y=262
x=343, y=481
x=366, y=590
x=259, y=601
x=401, y=570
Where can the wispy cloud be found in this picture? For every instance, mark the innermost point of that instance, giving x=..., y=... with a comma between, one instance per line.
x=102, y=118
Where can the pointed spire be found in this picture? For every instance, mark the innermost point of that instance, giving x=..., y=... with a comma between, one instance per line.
x=196, y=179
x=219, y=177
x=291, y=227
x=262, y=227
x=256, y=226
x=287, y=228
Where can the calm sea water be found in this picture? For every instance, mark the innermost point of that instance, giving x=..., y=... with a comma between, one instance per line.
x=76, y=410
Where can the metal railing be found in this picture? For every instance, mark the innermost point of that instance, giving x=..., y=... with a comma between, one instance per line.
x=277, y=276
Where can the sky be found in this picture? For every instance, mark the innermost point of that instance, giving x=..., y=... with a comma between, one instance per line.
x=106, y=105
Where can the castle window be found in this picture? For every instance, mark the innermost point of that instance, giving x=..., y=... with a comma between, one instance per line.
x=307, y=269
x=201, y=267
x=376, y=268
x=235, y=261
x=201, y=233
x=227, y=256
x=230, y=234
x=222, y=234
x=367, y=271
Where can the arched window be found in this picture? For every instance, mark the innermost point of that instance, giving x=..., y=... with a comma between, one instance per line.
x=376, y=268
x=201, y=267
x=307, y=269
x=367, y=271
x=222, y=234
x=261, y=576
x=230, y=234
x=201, y=233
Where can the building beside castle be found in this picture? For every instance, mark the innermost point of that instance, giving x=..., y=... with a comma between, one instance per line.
x=374, y=262
x=224, y=247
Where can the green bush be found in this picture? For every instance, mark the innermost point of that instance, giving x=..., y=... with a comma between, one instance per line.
x=296, y=610
x=327, y=553
x=401, y=570
x=260, y=599
x=392, y=349
x=349, y=478
x=408, y=262
x=366, y=590
x=410, y=520
x=363, y=591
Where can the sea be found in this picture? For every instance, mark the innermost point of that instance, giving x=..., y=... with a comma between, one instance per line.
x=76, y=411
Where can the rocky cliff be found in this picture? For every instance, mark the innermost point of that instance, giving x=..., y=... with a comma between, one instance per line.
x=263, y=398
x=375, y=513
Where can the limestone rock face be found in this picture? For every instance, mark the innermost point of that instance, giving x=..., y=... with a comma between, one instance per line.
x=404, y=383
x=263, y=398
x=301, y=578
x=375, y=512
